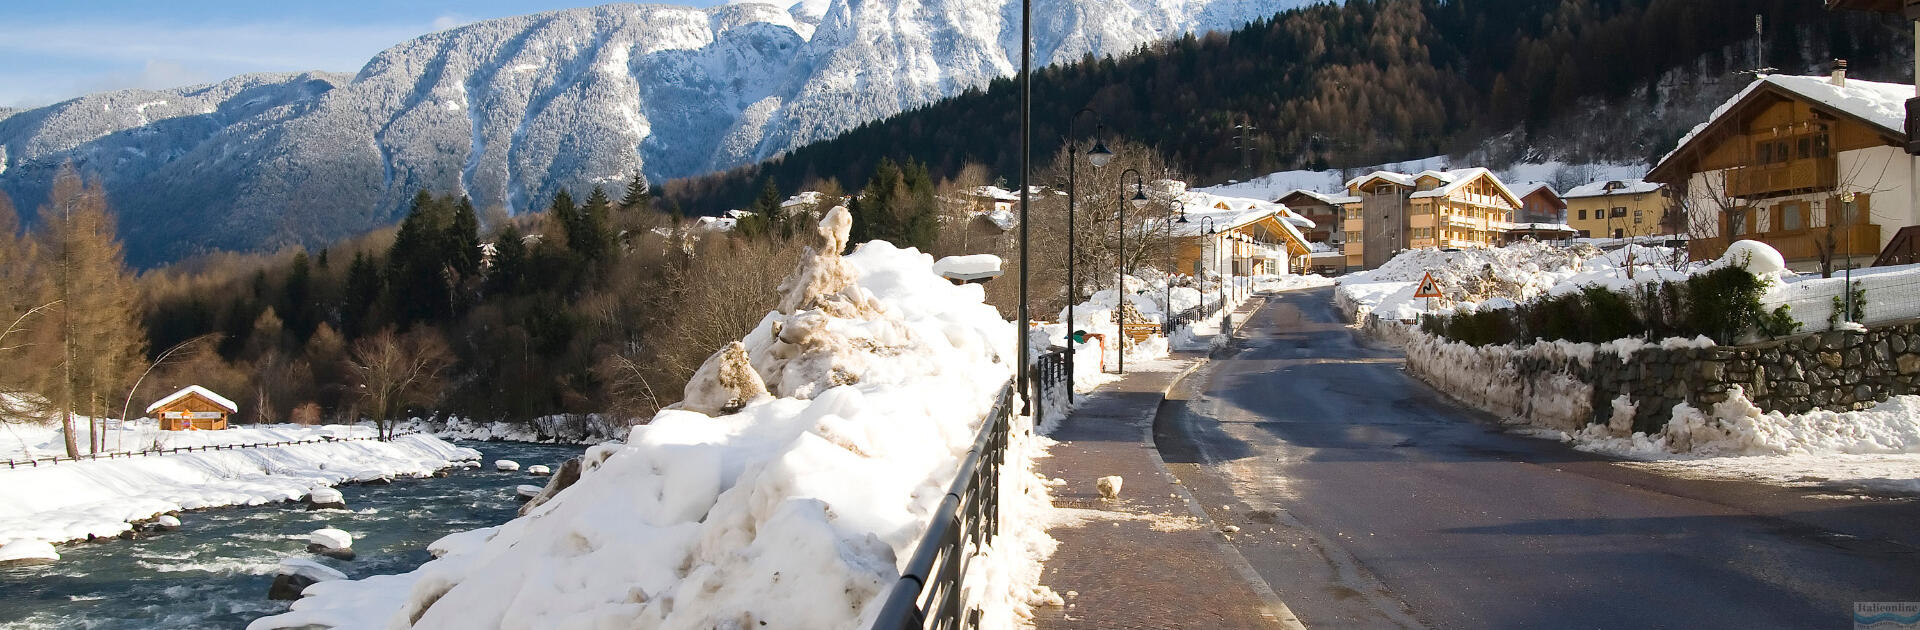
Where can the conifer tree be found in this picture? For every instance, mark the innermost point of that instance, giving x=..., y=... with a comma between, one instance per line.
x=638, y=197
x=591, y=234
x=99, y=335
x=463, y=238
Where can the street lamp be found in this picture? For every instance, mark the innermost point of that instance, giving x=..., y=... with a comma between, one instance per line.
x=1139, y=200
x=1098, y=156
x=1208, y=227
x=1167, y=317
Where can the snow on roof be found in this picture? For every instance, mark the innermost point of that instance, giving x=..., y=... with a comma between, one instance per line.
x=192, y=390
x=1613, y=187
x=1880, y=104
x=807, y=198
x=1326, y=198
x=1238, y=212
x=996, y=193
x=1527, y=188
x=1542, y=227
x=1450, y=180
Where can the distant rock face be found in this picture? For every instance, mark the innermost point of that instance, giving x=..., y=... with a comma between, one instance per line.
x=511, y=110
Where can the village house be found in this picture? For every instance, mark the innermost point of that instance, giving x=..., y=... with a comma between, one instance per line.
x=1621, y=209
x=1813, y=165
x=192, y=408
x=1542, y=215
x=1459, y=208
x=1249, y=236
x=1324, y=210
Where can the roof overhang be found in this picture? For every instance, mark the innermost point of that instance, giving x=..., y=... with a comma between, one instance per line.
x=1668, y=171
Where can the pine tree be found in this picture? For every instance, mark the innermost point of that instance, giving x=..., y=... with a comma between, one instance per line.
x=509, y=260
x=590, y=234
x=638, y=195
x=463, y=238
x=362, y=294
x=296, y=298
x=418, y=282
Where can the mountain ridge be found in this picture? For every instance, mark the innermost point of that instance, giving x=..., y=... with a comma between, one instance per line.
x=513, y=109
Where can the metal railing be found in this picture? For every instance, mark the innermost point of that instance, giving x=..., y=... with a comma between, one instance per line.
x=1208, y=307
x=928, y=594
x=1051, y=384
x=37, y=461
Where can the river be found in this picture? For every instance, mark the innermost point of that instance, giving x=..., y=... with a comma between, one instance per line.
x=214, y=571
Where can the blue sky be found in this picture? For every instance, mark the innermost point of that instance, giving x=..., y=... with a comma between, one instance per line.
x=52, y=50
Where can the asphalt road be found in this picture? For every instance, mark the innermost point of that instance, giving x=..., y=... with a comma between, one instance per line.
x=1366, y=499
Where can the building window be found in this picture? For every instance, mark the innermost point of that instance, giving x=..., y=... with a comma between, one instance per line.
x=1637, y=219
x=1792, y=216
x=1583, y=214
x=1618, y=212
x=1619, y=233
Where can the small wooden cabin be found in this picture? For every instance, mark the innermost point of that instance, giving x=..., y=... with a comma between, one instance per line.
x=194, y=408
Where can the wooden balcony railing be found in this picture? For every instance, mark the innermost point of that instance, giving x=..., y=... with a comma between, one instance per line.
x=1799, y=245
x=1760, y=181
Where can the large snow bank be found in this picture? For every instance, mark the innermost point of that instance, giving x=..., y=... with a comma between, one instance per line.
x=799, y=477
x=72, y=500
x=1515, y=273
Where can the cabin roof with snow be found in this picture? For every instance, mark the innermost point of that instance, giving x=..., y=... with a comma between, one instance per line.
x=1880, y=107
x=194, y=392
x=1612, y=187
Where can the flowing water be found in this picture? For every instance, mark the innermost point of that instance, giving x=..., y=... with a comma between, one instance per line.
x=214, y=571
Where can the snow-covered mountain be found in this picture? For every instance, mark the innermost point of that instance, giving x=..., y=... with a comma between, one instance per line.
x=511, y=110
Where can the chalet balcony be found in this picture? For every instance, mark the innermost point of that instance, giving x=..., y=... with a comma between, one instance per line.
x=1778, y=179
x=1461, y=220
x=1798, y=245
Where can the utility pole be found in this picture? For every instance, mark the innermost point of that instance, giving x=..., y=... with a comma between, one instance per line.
x=1243, y=141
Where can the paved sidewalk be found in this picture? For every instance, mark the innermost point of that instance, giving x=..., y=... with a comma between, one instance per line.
x=1151, y=559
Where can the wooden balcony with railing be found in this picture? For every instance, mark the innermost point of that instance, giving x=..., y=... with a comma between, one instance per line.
x=1786, y=177
x=1799, y=245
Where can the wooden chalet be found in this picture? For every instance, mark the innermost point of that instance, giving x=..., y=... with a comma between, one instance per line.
x=193, y=408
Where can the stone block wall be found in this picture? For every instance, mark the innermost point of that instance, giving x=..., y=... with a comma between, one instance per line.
x=1836, y=370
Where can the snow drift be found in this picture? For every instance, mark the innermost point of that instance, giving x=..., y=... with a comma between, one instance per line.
x=798, y=475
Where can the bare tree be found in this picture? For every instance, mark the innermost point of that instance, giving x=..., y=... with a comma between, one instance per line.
x=393, y=371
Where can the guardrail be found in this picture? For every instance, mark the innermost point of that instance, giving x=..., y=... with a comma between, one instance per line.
x=928, y=594
x=37, y=461
x=1199, y=312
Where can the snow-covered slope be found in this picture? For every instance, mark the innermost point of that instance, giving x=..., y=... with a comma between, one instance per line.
x=511, y=110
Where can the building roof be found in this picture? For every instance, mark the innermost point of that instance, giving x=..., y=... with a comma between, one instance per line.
x=1450, y=181
x=192, y=390
x=1524, y=189
x=1878, y=105
x=1613, y=187
x=1330, y=199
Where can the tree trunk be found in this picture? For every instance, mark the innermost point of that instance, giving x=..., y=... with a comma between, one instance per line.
x=73, y=441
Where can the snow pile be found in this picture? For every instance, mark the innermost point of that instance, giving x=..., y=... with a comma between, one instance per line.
x=1286, y=282
x=1737, y=428
x=1513, y=273
x=1487, y=377
x=797, y=479
x=73, y=500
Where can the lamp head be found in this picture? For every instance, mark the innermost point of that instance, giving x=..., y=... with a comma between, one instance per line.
x=1139, y=198
x=1099, y=155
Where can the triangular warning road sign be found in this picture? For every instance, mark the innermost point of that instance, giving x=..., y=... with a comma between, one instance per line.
x=1428, y=288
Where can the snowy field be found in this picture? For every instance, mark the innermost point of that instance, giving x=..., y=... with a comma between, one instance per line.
x=796, y=479
x=27, y=441
x=72, y=500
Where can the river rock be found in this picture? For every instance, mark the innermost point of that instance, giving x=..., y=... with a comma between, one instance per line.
x=296, y=574
x=526, y=492
x=167, y=522
x=331, y=543
x=506, y=465
x=539, y=471
x=569, y=473
x=326, y=498
x=27, y=551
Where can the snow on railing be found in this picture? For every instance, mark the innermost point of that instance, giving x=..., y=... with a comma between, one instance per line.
x=929, y=588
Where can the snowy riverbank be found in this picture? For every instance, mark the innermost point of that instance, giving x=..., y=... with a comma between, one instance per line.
x=796, y=480
x=72, y=500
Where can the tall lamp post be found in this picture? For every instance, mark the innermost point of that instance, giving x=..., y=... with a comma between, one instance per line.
x=1139, y=200
x=1098, y=156
x=1181, y=205
x=1026, y=169
x=1208, y=227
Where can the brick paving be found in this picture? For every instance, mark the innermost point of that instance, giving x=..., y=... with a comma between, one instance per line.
x=1150, y=559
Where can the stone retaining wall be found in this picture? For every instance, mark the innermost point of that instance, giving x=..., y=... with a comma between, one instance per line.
x=1836, y=370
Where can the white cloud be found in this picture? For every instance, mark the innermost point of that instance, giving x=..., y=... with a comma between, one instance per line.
x=74, y=59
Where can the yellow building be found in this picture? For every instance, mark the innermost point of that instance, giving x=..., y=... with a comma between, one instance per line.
x=1248, y=236
x=1391, y=212
x=1620, y=209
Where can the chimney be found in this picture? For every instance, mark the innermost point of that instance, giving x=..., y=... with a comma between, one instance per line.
x=1839, y=73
